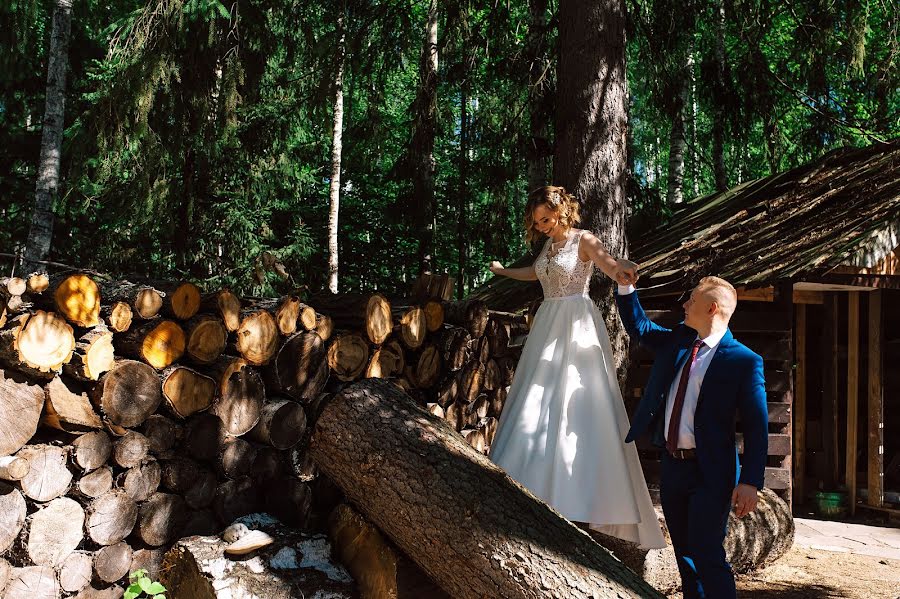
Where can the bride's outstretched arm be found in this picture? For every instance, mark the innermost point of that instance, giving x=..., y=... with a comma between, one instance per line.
x=624, y=272
x=526, y=273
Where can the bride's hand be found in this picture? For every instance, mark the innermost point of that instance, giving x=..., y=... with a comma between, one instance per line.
x=496, y=267
x=626, y=272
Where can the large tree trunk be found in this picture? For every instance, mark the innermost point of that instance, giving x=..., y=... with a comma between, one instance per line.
x=40, y=234
x=508, y=543
x=540, y=94
x=677, y=143
x=334, y=188
x=591, y=122
x=718, y=124
x=423, y=142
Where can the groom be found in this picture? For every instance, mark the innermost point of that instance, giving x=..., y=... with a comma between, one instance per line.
x=701, y=379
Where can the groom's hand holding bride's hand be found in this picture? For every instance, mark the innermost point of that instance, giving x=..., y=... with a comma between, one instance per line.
x=626, y=273
x=743, y=499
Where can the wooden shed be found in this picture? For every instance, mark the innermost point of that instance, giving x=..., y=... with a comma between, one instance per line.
x=814, y=254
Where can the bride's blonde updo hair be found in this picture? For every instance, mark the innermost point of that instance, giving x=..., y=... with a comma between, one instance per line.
x=556, y=199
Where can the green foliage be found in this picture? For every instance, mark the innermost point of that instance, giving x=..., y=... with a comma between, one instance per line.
x=198, y=132
x=142, y=586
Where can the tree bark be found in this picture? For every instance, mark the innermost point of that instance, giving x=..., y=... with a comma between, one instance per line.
x=423, y=142
x=718, y=124
x=510, y=544
x=40, y=235
x=677, y=141
x=540, y=94
x=591, y=123
x=334, y=186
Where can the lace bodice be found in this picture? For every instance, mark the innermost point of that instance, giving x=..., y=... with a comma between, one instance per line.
x=560, y=270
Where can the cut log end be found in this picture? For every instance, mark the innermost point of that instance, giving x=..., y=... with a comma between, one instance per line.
x=183, y=302
x=206, y=338
x=257, y=337
x=163, y=345
x=379, y=321
x=77, y=297
x=45, y=342
x=347, y=356
x=187, y=391
x=119, y=317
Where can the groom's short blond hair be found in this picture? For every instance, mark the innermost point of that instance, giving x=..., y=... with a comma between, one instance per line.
x=722, y=292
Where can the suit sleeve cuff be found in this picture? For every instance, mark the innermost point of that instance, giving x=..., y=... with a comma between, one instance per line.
x=626, y=289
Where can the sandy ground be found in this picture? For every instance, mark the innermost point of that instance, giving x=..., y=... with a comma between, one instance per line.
x=806, y=573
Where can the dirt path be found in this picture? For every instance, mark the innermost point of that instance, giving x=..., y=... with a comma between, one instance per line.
x=816, y=574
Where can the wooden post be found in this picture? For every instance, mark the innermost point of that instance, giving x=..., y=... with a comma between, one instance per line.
x=852, y=392
x=876, y=403
x=830, y=427
x=799, y=408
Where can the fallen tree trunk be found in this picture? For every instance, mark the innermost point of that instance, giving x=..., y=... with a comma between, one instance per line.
x=510, y=544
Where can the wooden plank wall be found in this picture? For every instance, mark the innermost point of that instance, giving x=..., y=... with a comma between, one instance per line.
x=767, y=329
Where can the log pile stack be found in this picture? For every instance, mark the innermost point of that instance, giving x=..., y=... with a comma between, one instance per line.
x=136, y=413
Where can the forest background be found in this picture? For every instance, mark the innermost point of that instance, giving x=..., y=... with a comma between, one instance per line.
x=199, y=136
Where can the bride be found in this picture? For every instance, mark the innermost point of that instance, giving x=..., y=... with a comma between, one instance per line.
x=562, y=430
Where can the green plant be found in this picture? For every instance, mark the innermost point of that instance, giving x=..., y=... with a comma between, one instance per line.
x=142, y=586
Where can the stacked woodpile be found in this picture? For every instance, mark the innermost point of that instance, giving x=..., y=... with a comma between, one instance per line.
x=136, y=413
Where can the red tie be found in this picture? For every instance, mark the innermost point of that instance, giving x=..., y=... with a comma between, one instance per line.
x=675, y=418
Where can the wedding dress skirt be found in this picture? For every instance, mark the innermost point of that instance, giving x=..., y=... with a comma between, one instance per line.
x=561, y=433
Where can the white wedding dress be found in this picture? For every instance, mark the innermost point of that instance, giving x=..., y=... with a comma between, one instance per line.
x=562, y=430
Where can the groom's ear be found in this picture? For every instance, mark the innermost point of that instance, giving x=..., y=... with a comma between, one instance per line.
x=713, y=308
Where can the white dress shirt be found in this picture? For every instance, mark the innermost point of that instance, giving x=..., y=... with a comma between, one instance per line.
x=695, y=381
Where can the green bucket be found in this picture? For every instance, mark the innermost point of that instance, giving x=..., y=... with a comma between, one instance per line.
x=831, y=504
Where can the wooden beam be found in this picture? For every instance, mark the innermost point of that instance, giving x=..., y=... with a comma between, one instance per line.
x=799, y=408
x=876, y=402
x=852, y=393
x=779, y=444
x=767, y=294
x=778, y=479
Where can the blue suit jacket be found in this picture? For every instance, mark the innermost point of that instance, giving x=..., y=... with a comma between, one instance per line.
x=733, y=384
